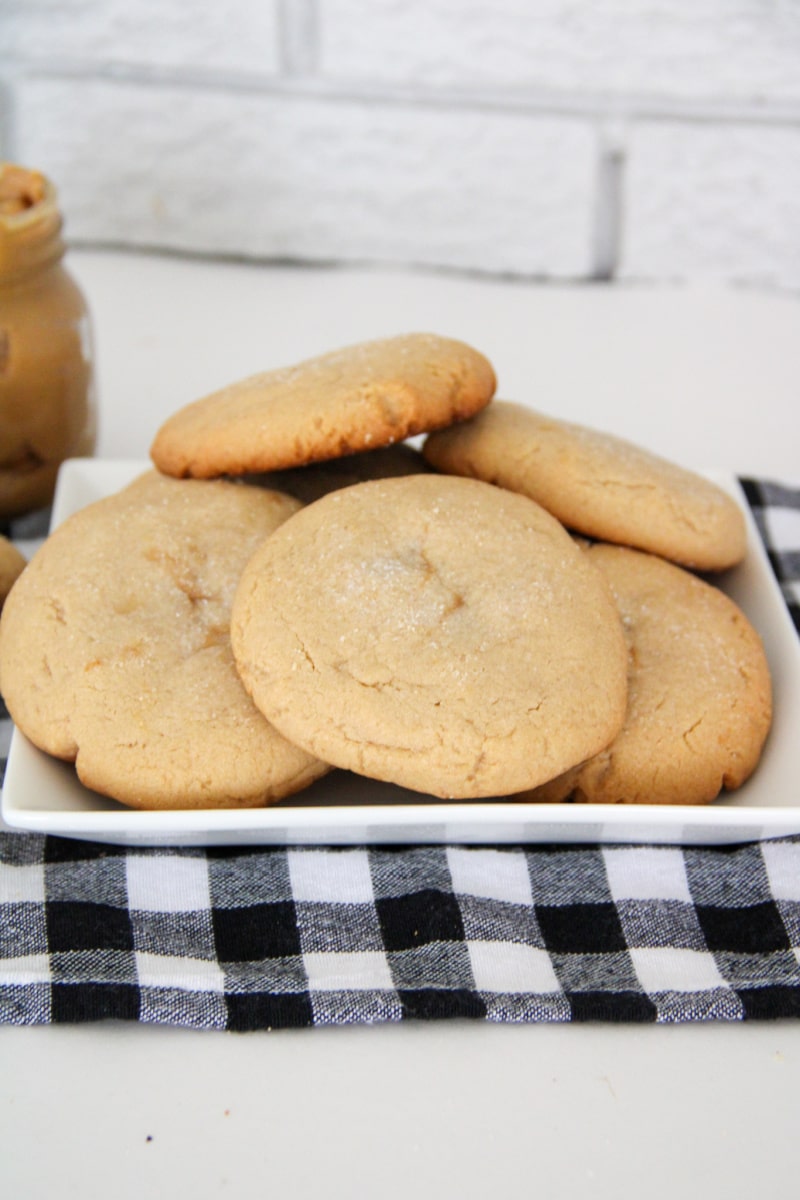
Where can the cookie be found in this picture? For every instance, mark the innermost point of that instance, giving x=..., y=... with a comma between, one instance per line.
x=115, y=649
x=311, y=482
x=699, y=692
x=432, y=632
x=358, y=398
x=597, y=484
x=12, y=564
x=554, y=791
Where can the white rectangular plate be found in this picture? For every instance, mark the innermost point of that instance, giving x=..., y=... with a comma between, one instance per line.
x=45, y=796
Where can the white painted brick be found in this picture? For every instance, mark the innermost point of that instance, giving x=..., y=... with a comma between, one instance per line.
x=262, y=175
x=235, y=35
x=713, y=202
x=681, y=48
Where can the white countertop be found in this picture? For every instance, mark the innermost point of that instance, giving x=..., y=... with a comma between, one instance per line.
x=704, y=376
x=463, y=1109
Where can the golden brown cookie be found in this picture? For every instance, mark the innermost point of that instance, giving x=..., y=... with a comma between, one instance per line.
x=115, y=648
x=358, y=398
x=317, y=479
x=433, y=632
x=12, y=564
x=699, y=693
x=597, y=484
x=554, y=791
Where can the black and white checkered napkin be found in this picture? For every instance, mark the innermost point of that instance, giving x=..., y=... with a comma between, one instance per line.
x=247, y=939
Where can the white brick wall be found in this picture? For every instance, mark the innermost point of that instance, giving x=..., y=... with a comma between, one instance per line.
x=292, y=176
x=630, y=139
x=714, y=202
x=98, y=35
x=689, y=48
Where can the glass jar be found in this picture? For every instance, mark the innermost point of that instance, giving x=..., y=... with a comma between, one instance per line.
x=47, y=404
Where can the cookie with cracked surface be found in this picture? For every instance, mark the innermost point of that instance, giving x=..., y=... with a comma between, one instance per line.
x=357, y=398
x=12, y=564
x=699, y=691
x=115, y=649
x=433, y=632
x=597, y=484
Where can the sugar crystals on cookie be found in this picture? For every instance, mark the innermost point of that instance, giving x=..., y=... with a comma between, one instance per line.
x=115, y=649
x=597, y=484
x=699, y=697
x=358, y=398
x=433, y=632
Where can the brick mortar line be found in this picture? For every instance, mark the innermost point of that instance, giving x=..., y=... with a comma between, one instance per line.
x=373, y=264
x=592, y=106
x=607, y=213
x=588, y=279
x=298, y=32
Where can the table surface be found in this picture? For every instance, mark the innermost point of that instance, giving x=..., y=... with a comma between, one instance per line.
x=704, y=376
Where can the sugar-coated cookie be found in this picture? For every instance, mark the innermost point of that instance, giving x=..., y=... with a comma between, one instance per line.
x=12, y=564
x=699, y=692
x=597, y=484
x=357, y=398
x=433, y=632
x=115, y=648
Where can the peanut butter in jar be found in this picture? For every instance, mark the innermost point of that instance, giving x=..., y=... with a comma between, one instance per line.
x=47, y=406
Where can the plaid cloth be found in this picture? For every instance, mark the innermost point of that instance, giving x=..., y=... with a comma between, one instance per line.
x=246, y=939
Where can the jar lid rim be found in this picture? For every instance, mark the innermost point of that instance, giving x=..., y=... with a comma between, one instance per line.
x=35, y=196
x=30, y=227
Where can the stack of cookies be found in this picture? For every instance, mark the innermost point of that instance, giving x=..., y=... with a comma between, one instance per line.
x=514, y=610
